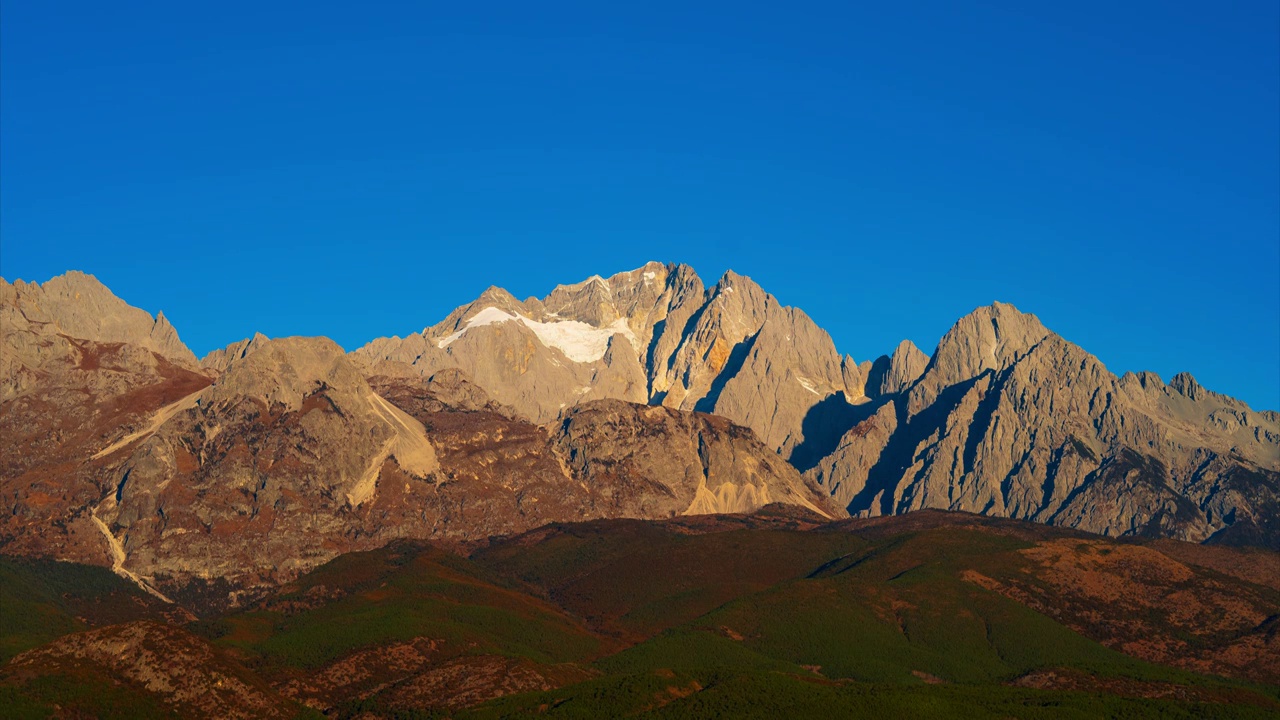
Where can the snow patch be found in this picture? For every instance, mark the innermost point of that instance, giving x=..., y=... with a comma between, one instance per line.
x=579, y=341
x=487, y=316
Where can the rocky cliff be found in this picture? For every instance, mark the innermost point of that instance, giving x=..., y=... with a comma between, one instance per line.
x=643, y=395
x=653, y=335
x=40, y=325
x=1010, y=419
x=1004, y=418
x=273, y=456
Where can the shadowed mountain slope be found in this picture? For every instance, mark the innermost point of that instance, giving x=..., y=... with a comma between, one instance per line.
x=946, y=614
x=1009, y=419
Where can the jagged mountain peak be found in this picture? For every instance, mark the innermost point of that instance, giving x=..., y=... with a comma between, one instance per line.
x=1184, y=383
x=1000, y=327
x=78, y=305
x=897, y=371
x=492, y=297
x=1012, y=419
x=989, y=338
x=493, y=293
x=541, y=356
x=1145, y=379
x=72, y=282
x=733, y=350
x=219, y=359
x=1006, y=418
x=1182, y=388
x=650, y=273
x=287, y=370
x=597, y=301
x=732, y=282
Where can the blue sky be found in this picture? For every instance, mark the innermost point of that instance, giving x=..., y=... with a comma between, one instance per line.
x=335, y=169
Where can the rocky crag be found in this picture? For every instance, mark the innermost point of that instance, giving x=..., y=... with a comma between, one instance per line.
x=1010, y=419
x=1006, y=418
x=239, y=472
x=655, y=336
x=644, y=395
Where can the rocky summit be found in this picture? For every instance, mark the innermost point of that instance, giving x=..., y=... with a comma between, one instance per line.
x=644, y=395
x=1006, y=418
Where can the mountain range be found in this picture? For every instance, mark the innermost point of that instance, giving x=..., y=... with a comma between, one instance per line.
x=636, y=496
x=641, y=395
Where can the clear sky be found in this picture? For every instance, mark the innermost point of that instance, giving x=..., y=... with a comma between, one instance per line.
x=359, y=169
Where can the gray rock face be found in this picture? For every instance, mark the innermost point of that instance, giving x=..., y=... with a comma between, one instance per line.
x=1005, y=418
x=452, y=389
x=1010, y=419
x=220, y=359
x=275, y=455
x=652, y=335
x=40, y=324
x=292, y=430
x=844, y=472
x=77, y=367
x=291, y=457
x=897, y=372
x=701, y=464
x=989, y=338
x=762, y=365
x=591, y=340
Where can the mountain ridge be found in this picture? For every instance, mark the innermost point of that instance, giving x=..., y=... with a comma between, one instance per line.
x=644, y=394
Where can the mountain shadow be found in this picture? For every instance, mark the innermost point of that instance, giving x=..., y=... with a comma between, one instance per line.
x=875, y=377
x=824, y=425
x=898, y=454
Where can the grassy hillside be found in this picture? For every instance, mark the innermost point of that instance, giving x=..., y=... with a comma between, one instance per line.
x=400, y=593
x=889, y=617
x=41, y=600
x=633, y=579
x=930, y=614
x=757, y=694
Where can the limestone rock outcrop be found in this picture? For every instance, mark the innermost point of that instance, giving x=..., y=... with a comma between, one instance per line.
x=290, y=436
x=652, y=335
x=77, y=305
x=658, y=462
x=1010, y=419
x=41, y=326
x=894, y=373
x=641, y=395
x=78, y=366
x=218, y=360
x=226, y=478
x=582, y=342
